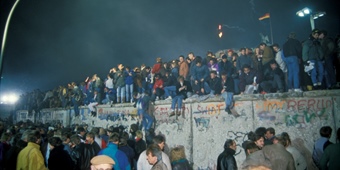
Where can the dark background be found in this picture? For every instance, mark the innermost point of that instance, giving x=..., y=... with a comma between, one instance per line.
x=54, y=42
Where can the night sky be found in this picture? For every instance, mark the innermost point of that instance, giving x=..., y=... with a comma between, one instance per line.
x=54, y=42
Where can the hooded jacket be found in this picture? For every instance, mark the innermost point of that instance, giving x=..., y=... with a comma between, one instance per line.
x=226, y=160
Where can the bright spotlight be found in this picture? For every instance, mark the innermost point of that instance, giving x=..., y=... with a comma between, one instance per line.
x=300, y=14
x=9, y=99
x=306, y=11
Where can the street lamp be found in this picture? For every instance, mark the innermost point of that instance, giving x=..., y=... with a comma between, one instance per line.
x=312, y=16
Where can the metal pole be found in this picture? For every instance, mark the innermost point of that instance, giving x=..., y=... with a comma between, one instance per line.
x=271, y=30
x=5, y=36
x=311, y=19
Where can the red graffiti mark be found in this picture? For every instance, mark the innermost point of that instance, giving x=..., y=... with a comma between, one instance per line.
x=314, y=105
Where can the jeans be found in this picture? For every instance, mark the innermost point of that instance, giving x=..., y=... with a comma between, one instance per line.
x=317, y=72
x=177, y=100
x=129, y=92
x=159, y=93
x=147, y=119
x=197, y=87
x=75, y=106
x=228, y=98
x=329, y=71
x=121, y=91
x=292, y=63
x=169, y=91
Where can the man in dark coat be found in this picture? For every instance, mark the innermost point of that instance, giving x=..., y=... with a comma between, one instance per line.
x=226, y=160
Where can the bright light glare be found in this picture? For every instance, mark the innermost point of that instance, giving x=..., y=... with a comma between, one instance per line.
x=306, y=11
x=9, y=99
x=300, y=14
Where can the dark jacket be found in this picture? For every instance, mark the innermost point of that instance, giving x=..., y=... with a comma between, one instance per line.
x=247, y=79
x=228, y=85
x=330, y=158
x=279, y=157
x=226, y=160
x=169, y=81
x=129, y=152
x=215, y=84
x=201, y=72
x=292, y=47
x=60, y=159
x=140, y=146
x=270, y=73
x=119, y=79
x=182, y=164
x=312, y=50
x=183, y=92
x=226, y=67
x=82, y=155
x=328, y=47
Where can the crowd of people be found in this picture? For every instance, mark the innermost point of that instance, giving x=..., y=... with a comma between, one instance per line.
x=267, y=150
x=81, y=147
x=297, y=67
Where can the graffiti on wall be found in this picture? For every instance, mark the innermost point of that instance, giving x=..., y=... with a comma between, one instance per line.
x=162, y=114
x=208, y=108
x=116, y=114
x=294, y=112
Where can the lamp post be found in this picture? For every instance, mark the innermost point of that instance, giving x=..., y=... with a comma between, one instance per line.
x=312, y=15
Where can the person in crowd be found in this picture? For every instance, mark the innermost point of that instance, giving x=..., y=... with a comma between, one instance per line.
x=227, y=91
x=119, y=157
x=129, y=76
x=19, y=143
x=97, y=86
x=225, y=66
x=235, y=76
x=292, y=51
x=280, y=60
x=140, y=144
x=270, y=134
x=102, y=162
x=249, y=77
x=213, y=65
x=178, y=159
x=200, y=75
x=257, y=139
x=97, y=138
x=90, y=140
x=183, y=67
x=154, y=157
x=226, y=160
x=174, y=68
x=331, y=156
x=145, y=119
x=312, y=53
x=143, y=164
x=273, y=79
x=255, y=157
x=321, y=144
x=65, y=137
x=169, y=85
x=81, y=134
x=158, y=88
x=30, y=157
x=93, y=103
x=257, y=59
x=192, y=63
x=119, y=80
x=279, y=157
x=267, y=55
x=299, y=160
x=157, y=67
x=110, y=96
x=76, y=96
x=215, y=84
x=129, y=152
x=328, y=48
x=182, y=88
x=59, y=158
x=242, y=60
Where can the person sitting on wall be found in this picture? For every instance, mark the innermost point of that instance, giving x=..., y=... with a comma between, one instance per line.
x=182, y=87
x=249, y=78
x=200, y=75
x=158, y=88
x=273, y=79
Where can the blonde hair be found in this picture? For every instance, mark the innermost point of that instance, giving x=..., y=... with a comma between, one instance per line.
x=139, y=134
x=177, y=153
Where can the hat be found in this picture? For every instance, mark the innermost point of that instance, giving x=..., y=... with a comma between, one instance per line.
x=102, y=159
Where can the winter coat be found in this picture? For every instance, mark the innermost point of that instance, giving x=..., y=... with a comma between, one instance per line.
x=255, y=159
x=247, y=79
x=119, y=79
x=279, y=157
x=140, y=146
x=243, y=60
x=60, y=159
x=30, y=158
x=182, y=164
x=159, y=166
x=300, y=161
x=330, y=158
x=121, y=160
x=292, y=47
x=183, y=92
x=228, y=85
x=268, y=55
x=184, y=69
x=312, y=50
x=216, y=85
x=82, y=155
x=226, y=160
x=226, y=67
x=128, y=78
x=199, y=73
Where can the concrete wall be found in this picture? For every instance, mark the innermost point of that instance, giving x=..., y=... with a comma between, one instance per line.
x=204, y=126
